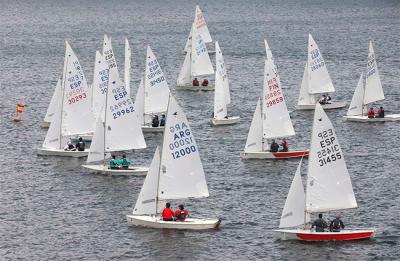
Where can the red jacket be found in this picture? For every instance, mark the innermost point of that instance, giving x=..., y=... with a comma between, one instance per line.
x=195, y=82
x=167, y=214
x=285, y=145
x=204, y=83
x=371, y=113
x=178, y=213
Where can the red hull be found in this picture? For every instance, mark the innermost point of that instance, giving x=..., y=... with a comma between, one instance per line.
x=333, y=237
x=295, y=154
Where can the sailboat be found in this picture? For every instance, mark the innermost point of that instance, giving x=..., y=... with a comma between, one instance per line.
x=175, y=175
x=197, y=64
x=202, y=28
x=367, y=94
x=118, y=130
x=152, y=96
x=271, y=118
x=52, y=105
x=328, y=188
x=73, y=116
x=316, y=80
x=222, y=97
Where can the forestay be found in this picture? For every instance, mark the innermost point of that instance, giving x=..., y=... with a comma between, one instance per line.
x=254, y=142
x=373, y=85
x=54, y=102
x=356, y=105
x=221, y=96
x=294, y=209
x=319, y=79
x=201, y=63
x=328, y=184
x=99, y=88
x=181, y=172
x=146, y=202
x=304, y=97
x=127, y=67
x=77, y=115
x=155, y=85
x=123, y=130
x=139, y=103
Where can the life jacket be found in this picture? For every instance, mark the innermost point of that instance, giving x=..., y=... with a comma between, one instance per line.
x=125, y=163
x=181, y=215
x=80, y=146
x=195, y=82
x=167, y=214
x=285, y=145
x=204, y=83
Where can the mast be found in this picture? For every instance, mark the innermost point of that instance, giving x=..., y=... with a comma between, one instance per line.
x=362, y=104
x=63, y=93
x=105, y=119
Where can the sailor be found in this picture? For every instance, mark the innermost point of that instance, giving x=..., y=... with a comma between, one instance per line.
x=371, y=113
x=196, y=82
x=114, y=163
x=155, y=121
x=381, y=112
x=285, y=145
x=80, y=145
x=323, y=100
x=168, y=213
x=162, y=121
x=336, y=224
x=274, y=146
x=204, y=82
x=181, y=214
x=319, y=224
x=125, y=162
x=328, y=99
x=69, y=146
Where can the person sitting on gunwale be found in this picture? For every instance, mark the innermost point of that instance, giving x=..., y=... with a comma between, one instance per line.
x=274, y=146
x=336, y=224
x=155, y=122
x=181, y=214
x=168, y=213
x=319, y=224
x=371, y=113
x=196, y=82
x=381, y=113
x=114, y=163
x=125, y=162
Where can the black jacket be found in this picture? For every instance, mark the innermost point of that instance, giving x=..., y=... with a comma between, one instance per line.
x=319, y=225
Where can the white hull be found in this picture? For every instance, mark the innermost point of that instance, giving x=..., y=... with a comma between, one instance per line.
x=308, y=235
x=62, y=153
x=333, y=105
x=273, y=155
x=188, y=224
x=210, y=87
x=227, y=121
x=389, y=117
x=152, y=129
x=132, y=171
x=45, y=125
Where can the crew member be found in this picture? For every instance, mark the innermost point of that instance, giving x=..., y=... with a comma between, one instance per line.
x=285, y=145
x=155, y=122
x=125, y=162
x=336, y=224
x=162, y=121
x=181, y=214
x=371, y=113
x=204, y=82
x=168, y=213
x=80, y=145
x=196, y=82
x=274, y=146
x=114, y=163
x=381, y=112
x=319, y=224
x=69, y=146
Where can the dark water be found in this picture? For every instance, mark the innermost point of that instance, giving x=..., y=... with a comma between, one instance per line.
x=50, y=208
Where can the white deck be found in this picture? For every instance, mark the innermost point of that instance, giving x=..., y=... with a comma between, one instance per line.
x=152, y=129
x=131, y=171
x=188, y=224
x=389, y=117
x=62, y=152
x=333, y=105
x=228, y=121
x=210, y=87
x=308, y=235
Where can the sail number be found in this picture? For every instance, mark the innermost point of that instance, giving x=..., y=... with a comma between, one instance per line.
x=274, y=94
x=122, y=108
x=109, y=57
x=183, y=142
x=103, y=78
x=329, y=149
x=155, y=74
x=317, y=60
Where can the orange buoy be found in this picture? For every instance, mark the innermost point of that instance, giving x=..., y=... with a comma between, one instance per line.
x=20, y=109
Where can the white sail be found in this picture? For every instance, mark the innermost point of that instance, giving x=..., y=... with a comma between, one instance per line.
x=294, y=209
x=373, y=85
x=184, y=77
x=53, y=138
x=188, y=45
x=123, y=130
x=221, y=95
x=146, y=202
x=254, y=141
x=328, y=183
x=139, y=103
x=54, y=102
x=181, y=173
x=127, y=67
x=276, y=118
x=356, y=105
x=319, y=79
x=201, y=63
x=96, y=152
x=109, y=55
x=304, y=97
x=155, y=86
x=99, y=88
x=201, y=25
x=77, y=115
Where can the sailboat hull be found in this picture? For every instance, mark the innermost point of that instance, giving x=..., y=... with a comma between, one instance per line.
x=132, y=171
x=188, y=224
x=307, y=235
x=389, y=117
x=62, y=153
x=225, y=121
x=333, y=105
x=274, y=155
x=210, y=87
x=152, y=129
x=45, y=125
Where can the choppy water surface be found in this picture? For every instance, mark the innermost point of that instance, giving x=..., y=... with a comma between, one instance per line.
x=51, y=208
